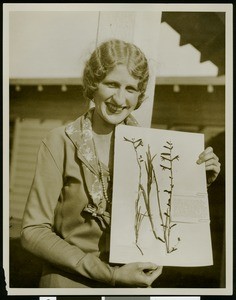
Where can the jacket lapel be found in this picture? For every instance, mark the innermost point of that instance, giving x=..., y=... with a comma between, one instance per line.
x=80, y=133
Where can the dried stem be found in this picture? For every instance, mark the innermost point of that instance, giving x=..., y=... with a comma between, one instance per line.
x=148, y=207
x=147, y=195
x=138, y=215
x=167, y=224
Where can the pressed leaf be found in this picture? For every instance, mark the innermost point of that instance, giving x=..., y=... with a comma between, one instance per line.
x=127, y=140
x=176, y=157
x=167, y=147
x=165, y=167
x=161, y=240
x=165, y=158
x=153, y=158
x=165, y=153
x=146, y=167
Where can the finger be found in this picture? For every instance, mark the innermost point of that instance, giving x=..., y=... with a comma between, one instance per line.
x=212, y=173
x=206, y=157
x=212, y=162
x=154, y=275
x=147, y=266
x=215, y=168
x=206, y=151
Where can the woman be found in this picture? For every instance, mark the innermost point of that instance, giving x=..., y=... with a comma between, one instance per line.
x=67, y=216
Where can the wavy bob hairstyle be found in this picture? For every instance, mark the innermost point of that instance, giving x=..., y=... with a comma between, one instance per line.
x=110, y=54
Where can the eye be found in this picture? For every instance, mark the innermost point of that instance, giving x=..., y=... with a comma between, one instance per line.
x=131, y=89
x=111, y=84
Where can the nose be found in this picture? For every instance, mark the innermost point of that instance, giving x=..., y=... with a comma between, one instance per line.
x=119, y=97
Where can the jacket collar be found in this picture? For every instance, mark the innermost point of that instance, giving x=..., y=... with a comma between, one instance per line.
x=81, y=135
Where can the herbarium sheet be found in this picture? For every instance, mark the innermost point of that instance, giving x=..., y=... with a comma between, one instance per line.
x=160, y=210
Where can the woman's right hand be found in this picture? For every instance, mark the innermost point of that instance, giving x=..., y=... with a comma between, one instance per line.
x=141, y=274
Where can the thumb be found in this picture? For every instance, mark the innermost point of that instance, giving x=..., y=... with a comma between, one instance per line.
x=148, y=266
x=155, y=273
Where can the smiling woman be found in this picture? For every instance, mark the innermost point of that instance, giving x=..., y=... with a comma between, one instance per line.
x=67, y=216
x=116, y=96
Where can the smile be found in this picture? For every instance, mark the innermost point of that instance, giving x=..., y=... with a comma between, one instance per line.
x=114, y=108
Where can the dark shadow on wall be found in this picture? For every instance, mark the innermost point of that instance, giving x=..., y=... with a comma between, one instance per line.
x=25, y=268
x=3, y=290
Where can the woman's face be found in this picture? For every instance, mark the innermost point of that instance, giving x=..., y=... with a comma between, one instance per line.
x=117, y=95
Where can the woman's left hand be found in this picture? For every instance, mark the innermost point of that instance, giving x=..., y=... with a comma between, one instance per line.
x=211, y=162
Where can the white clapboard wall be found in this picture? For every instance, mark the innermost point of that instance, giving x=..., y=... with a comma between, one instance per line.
x=28, y=134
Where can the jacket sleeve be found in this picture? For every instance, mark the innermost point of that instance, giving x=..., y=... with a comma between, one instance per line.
x=37, y=231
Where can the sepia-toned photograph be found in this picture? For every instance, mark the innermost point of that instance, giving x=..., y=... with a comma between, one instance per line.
x=117, y=149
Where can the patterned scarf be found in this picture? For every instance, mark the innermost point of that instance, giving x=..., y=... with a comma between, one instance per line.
x=80, y=133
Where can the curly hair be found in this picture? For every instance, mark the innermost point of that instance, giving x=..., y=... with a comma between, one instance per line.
x=110, y=54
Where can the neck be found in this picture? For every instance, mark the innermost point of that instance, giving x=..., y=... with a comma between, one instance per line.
x=100, y=126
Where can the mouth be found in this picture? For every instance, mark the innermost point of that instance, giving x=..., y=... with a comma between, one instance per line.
x=115, y=109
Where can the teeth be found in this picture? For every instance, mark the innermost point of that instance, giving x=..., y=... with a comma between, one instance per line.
x=114, y=108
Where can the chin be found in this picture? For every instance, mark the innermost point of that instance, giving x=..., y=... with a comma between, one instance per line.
x=115, y=120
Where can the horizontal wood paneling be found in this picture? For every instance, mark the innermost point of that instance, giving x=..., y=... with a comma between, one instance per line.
x=28, y=135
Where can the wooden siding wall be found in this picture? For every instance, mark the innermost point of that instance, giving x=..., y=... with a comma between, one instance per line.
x=28, y=134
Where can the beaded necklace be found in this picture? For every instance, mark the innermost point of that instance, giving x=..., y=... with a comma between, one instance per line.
x=101, y=175
x=103, y=183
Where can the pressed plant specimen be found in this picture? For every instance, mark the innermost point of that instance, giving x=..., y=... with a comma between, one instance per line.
x=166, y=222
x=165, y=217
x=145, y=193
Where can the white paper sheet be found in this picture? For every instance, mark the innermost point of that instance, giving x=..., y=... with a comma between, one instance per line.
x=174, y=231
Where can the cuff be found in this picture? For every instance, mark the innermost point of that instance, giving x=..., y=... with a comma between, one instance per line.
x=113, y=278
